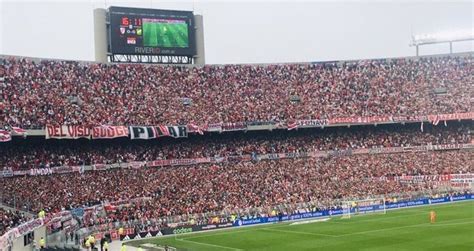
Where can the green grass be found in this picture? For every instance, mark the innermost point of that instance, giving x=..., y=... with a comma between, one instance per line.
x=406, y=229
x=168, y=35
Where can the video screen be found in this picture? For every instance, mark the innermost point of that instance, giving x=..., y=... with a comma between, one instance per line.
x=151, y=32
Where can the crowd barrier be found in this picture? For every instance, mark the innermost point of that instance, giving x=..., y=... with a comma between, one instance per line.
x=50, y=222
x=329, y=213
x=131, y=235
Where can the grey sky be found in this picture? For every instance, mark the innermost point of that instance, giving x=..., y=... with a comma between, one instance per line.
x=247, y=31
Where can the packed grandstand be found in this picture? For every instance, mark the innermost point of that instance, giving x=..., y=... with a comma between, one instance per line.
x=262, y=138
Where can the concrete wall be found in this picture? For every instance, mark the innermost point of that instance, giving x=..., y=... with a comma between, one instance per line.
x=100, y=36
x=200, y=58
x=18, y=244
x=5, y=207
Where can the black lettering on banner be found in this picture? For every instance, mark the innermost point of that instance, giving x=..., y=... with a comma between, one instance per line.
x=137, y=132
x=151, y=132
x=173, y=132
x=182, y=131
x=159, y=131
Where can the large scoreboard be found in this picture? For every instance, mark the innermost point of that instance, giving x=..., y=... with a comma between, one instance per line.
x=137, y=31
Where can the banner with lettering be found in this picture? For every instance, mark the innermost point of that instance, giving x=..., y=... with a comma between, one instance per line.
x=99, y=167
x=433, y=118
x=226, y=127
x=109, y=132
x=8, y=172
x=151, y=132
x=68, y=132
x=312, y=123
x=180, y=162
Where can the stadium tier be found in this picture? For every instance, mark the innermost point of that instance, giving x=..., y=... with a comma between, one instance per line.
x=37, y=93
x=157, y=185
x=35, y=152
x=196, y=189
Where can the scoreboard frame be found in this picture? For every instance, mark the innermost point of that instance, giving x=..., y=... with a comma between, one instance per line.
x=117, y=40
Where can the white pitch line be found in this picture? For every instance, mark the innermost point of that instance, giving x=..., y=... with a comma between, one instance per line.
x=297, y=232
x=393, y=228
x=210, y=245
x=202, y=234
x=449, y=224
x=384, y=217
x=370, y=231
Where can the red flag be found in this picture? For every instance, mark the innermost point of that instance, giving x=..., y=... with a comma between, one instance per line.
x=18, y=130
x=195, y=128
x=292, y=125
x=434, y=120
x=164, y=130
x=5, y=136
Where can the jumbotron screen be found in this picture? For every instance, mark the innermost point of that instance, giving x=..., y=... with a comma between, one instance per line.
x=151, y=31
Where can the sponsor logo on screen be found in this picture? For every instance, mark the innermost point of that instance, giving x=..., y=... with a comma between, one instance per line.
x=131, y=40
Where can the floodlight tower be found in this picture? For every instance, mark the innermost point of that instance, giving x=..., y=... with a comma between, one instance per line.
x=442, y=37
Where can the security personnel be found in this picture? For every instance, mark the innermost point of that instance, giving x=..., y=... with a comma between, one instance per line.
x=139, y=249
x=92, y=241
x=41, y=214
x=88, y=244
x=123, y=247
x=42, y=243
x=106, y=246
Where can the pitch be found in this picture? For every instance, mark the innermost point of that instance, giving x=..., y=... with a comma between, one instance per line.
x=169, y=35
x=406, y=229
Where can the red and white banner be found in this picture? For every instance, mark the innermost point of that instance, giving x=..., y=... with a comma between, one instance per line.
x=195, y=128
x=19, y=131
x=179, y=162
x=292, y=125
x=434, y=119
x=467, y=178
x=40, y=171
x=136, y=164
x=5, y=136
x=237, y=158
x=68, y=132
x=151, y=132
x=97, y=167
x=383, y=119
x=109, y=132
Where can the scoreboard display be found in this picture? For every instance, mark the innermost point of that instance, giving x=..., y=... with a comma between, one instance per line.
x=151, y=32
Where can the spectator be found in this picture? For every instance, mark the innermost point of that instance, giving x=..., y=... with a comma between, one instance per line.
x=66, y=92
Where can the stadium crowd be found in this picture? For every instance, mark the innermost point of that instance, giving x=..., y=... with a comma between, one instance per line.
x=36, y=93
x=27, y=154
x=10, y=219
x=233, y=186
